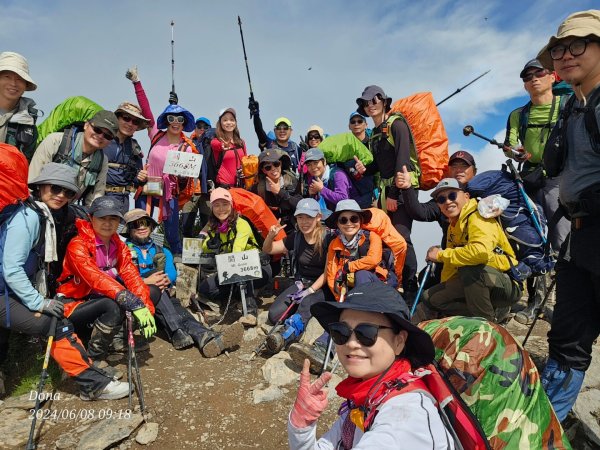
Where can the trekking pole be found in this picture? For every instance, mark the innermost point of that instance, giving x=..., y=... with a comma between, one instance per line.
x=172, y=56
x=246, y=61
x=43, y=378
x=530, y=207
x=430, y=268
x=133, y=359
x=538, y=310
x=469, y=130
x=258, y=349
x=461, y=88
x=330, y=341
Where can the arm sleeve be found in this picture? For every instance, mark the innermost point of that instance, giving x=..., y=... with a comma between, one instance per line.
x=511, y=138
x=21, y=233
x=401, y=135
x=100, y=186
x=306, y=438
x=44, y=154
x=482, y=239
x=373, y=257
x=423, y=212
x=170, y=269
x=142, y=100
x=242, y=236
x=260, y=132
x=341, y=188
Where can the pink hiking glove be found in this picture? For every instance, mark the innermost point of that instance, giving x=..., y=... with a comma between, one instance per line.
x=311, y=400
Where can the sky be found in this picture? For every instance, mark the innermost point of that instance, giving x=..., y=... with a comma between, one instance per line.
x=84, y=48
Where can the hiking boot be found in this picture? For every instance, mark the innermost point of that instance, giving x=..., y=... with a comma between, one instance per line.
x=231, y=337
x=181, y=340
x=110, y=371
x=503, y=314
x=100, y=340
x=294, y=327
x=315, y=354
x=113, y=391
x=275, y=343
x=119, y=344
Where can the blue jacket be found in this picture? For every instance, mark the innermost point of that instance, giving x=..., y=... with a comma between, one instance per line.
x=146, y=264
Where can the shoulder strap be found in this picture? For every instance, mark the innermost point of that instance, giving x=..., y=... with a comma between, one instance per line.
x=523, y=121
x=591, y=122
x=157, y=137
x=66, y=145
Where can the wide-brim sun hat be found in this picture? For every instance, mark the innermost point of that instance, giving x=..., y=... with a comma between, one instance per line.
x=59, y=174
x=136, y=214
x=135, y=111
x=369, y=94
x=378, y=297
x=175, y=110
x=579, y=24
x=16, y=63
x=347, y=206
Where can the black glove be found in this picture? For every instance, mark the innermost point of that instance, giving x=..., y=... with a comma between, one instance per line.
x=173, y=99
x=303, y=145
x=53, y=307
x=253, y=107
x=129, y=301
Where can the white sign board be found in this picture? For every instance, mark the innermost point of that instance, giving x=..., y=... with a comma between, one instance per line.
x=192, y=249
x=238, y=267
x=183, y=164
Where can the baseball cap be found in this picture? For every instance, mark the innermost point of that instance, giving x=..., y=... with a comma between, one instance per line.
x=532, y=64
x=227, y=110
x=446, y=183
x=285, y=120
x=205, y=120
x=106, y=206
x=354, y=114
x=308, y=206
x=106, y=119
x=313, y=154
x=220, y=194
x=464, y=156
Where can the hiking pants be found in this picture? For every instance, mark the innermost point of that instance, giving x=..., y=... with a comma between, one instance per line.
x=171, y=223
x=198, y=204
x=123, y=199
x=547, y=197
x=67, y=350
x=103, y=309
x=282, y=302
x=475, y=292
x=403, y=223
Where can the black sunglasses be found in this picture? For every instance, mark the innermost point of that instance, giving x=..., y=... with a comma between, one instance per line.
x=441, y=199
x=57, y=190
x=314, y=136
x=140, y=223
x=133, y=120
x=357, y=121
x=344, y=220
x=537, y=74
x=576, y=48
x=268, y=167
x=373, y=101
x=107, y=136
x=202, y=126
x=366, y=333
x=282, y=128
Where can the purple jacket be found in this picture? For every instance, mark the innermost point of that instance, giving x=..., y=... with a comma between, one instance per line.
x=340, y=188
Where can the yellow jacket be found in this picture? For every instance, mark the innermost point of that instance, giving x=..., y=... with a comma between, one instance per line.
x=472, y=240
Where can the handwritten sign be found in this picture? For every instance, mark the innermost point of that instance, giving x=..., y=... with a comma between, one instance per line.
x=238, y=267
x=192, y=249
x=183, y=164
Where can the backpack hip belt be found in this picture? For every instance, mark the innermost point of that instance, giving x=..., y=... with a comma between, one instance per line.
x=119, y=189
x=384, y=183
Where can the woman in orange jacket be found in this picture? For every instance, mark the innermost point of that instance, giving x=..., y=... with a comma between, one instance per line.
x=355, y=256
x=102, y=281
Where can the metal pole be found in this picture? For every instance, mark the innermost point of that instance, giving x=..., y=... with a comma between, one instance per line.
x=461, y=88
x=172, y=56
x=430, y=268
x=246, y=60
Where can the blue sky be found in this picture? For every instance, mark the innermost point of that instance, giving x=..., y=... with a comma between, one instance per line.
x=84, y=48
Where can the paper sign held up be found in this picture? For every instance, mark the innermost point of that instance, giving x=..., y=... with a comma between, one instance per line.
x=183, y=164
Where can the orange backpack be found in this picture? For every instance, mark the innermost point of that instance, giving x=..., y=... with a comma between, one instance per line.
x=254, y=208
x=13, y=176
x=429, y=143
x=249, y=170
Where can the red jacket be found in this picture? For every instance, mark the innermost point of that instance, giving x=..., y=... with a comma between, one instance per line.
x=81, y=275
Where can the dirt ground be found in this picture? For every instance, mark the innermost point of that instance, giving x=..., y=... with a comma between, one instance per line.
x=207, y=403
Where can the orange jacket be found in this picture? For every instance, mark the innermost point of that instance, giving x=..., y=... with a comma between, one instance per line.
x=81, y=275
x=338, y=255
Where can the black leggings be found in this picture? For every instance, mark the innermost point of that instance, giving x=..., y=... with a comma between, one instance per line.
x=104, y=309
x=282, y=302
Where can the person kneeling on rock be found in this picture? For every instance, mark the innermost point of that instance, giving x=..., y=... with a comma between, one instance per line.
x=157, y=269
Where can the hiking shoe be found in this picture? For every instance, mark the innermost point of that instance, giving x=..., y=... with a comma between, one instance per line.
x=525, y=317
x=230, y=337
x=119, y=345
x=275, y=343
x=181, y=340
x=503, y=314
x=314, y=353
x=113, y=391
x=110, y=371
x=249, y=320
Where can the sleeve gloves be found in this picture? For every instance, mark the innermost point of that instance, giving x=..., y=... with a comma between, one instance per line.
x=311, y=400
x=129, y=301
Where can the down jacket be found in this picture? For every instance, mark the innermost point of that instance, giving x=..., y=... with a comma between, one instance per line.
x=81, y=275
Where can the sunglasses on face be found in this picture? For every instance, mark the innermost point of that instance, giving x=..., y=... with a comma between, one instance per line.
x=357, y=122
x=173, y=119
x=268, y=167
x=105, y=134
x=441, y=199
x=576, y=48
x=373, y=101
x=537, y=74
x=282, y=128
x=366, y=333
x=141, y=223
x=344, y=220
x=202, y=126
x=57, y=190
x=315, y=137
x=133, y=120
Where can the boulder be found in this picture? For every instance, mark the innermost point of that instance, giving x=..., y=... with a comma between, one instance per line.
x=107, y=432
x=147, y=434
x=278, y=371
x=269, y=394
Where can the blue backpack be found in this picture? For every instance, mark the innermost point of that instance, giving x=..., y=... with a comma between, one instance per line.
x=517, y=220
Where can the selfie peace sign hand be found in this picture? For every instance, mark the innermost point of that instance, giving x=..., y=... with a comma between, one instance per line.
x=311, y=400
x=275, y=229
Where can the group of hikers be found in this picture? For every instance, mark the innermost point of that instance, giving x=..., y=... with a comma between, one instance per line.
x=67, y=188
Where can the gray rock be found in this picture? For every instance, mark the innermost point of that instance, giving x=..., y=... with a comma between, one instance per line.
x=592, y=375
x=262, y=318
x=269, y=394
x=24, y=401
x=250, y=334
x=312, y=332
x=65, y=441
x=277, y=370
x=147, y=433
x=15, y=425
x=107, y=432
x=587, y=410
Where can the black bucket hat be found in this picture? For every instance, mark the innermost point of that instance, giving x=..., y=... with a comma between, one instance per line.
x=378, y=297
x=368, y=94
